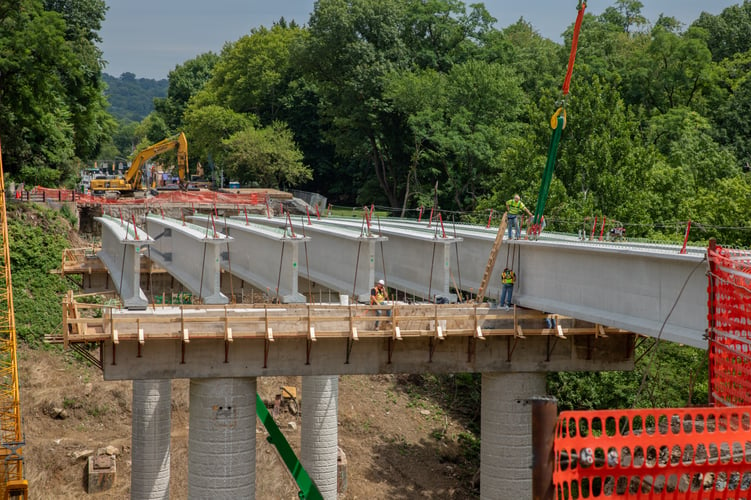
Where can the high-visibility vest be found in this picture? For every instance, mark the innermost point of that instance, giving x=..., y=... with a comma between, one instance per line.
x=515, y=207
x=508, y=278
x=379, y=294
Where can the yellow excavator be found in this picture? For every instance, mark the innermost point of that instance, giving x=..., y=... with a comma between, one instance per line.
x=128, y=184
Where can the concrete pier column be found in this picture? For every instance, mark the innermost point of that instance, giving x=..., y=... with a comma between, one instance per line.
x=320, y=402
x=506, y=427
x=150, y=441
x=222, y=440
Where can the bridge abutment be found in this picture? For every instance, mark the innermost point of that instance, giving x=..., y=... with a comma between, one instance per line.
x=150, y=441
x=320, y=403
x=506, y=433
x=222, y=439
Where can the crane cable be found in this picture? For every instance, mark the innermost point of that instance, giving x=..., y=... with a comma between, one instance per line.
x=557, y=123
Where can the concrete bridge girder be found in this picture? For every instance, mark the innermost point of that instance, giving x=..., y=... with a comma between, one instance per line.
x=341, y=259
x=190, y=253
x=267, y=258
x=121, y=254
x=626, y=285
x=415, y=263
x=651, y=293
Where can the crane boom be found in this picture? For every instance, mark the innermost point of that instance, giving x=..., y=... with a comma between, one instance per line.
x=12, y=482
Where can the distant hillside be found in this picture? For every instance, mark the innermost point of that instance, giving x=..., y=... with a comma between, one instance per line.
x=132, y=98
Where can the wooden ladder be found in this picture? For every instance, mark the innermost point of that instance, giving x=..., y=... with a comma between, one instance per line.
x=491, y=260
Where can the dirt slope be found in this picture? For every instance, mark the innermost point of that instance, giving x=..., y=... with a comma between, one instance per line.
x=399, y=443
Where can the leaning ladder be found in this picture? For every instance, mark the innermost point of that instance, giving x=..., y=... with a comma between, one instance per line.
x=491, y=259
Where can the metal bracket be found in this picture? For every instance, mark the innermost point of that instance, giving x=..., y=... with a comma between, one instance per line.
x=350, y=343
x=266, y=345
x=308, y=347
x=510, y=348
x=390, y=348
x=549, y=349
x=432, y=344
x=471, y=347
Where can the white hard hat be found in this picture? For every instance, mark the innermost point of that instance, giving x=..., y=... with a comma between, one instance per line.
x=381, y=282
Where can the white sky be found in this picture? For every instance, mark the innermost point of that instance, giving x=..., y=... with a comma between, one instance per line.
x=149, y=38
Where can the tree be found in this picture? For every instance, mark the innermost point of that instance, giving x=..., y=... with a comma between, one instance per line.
x=33, y=114
x=264, y=157
x=83, y=79
x=625, y=15
x=51, y=103
x=253, y=72
x=353, y=45
x=674, y=70
x=184, y=82
x=440, y=33
x=207, y=126
x=729, y=32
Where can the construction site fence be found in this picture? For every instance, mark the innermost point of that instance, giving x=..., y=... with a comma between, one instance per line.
x=42, y=195
x=729, y=332
x=683, y=453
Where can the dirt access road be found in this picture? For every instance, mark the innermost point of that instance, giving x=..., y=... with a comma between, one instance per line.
x=399, y=443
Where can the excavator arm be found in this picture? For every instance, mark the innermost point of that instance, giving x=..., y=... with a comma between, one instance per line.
x=179, y=142
x=132, y=179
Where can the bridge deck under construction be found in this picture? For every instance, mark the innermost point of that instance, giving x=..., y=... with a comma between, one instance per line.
x=95, y=323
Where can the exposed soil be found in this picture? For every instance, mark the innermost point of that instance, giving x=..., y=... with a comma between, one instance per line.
x=400, y=443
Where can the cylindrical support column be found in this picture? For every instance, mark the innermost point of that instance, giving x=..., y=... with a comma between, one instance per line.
x=506, y=427
x=320, y=400
x=544, y=419
x=150, y=440
x=222, y=441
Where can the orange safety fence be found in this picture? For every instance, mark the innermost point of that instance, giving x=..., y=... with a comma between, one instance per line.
x=729, y=329
x=196, y=197
x=683, y=453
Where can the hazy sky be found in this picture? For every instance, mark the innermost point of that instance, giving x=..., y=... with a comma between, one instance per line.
x=151, y=37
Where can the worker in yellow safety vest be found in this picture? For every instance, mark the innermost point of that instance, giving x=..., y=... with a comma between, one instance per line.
x=514, y=208
x=507, y=290
x=378, y=297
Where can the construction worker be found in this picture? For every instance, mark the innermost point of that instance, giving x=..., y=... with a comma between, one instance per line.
x=514, y=208
x=378, y=297
x=508, y=277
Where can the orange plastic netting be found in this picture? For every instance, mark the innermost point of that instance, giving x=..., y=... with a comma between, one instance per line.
x=729, y=329
x=196, y=197
x=686, y=453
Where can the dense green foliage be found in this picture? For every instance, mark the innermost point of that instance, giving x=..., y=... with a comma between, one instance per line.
x=131, y=98
x=52, y=108
x=666, y=375
x=37, y=237
x=412, y=103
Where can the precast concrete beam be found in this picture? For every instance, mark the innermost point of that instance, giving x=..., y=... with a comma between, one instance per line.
x=411, y=261
x=121, y=254
x=190, y=253
x=319, y=450
x=342, y=259
x=263, y=256
x=150, y=441
x=626, y=285
x=506, y=430
x=469, y=254
x=222, y=440
x=656, y=293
